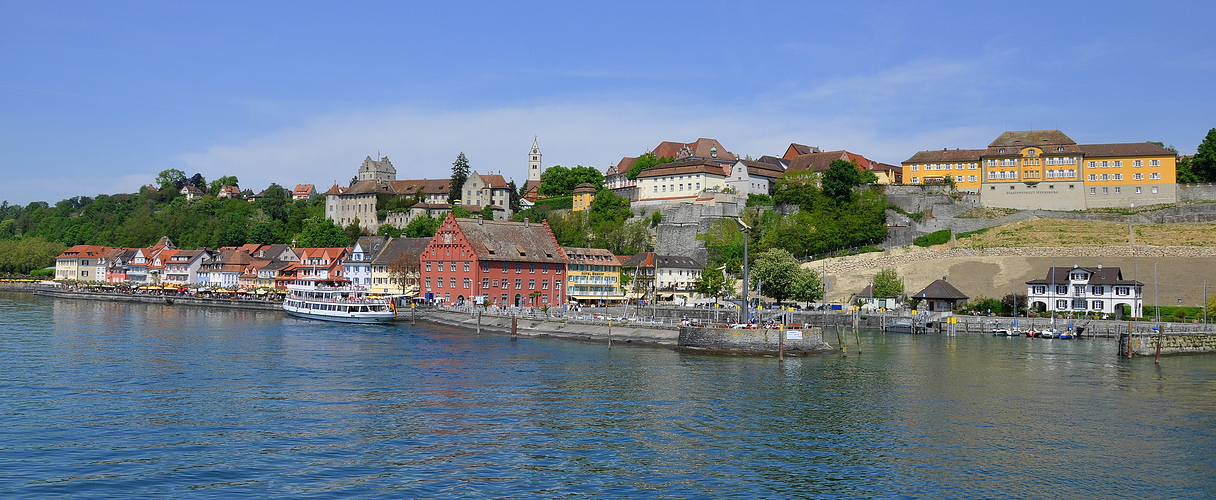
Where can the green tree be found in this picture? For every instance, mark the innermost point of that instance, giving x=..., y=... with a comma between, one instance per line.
x=354, y=230
x=320, y=232
x=421, y=227
x=388, y=230
x=561, y=181
x=645, y=161
x=840, y=179
x=775, y=271
x=807, y=286
x=1184, y=173
x=274, y=203
x=460, y=174
x=1203, y=164
x=887, y=283
x=799, y=188
x=487, y=212
x=714, y=283
x=171, y=179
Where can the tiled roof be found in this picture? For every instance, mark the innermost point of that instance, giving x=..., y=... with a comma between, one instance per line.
x=429, y=186
x=693, y=165
x=701, y=148
x=761, y=169
x=820, y=162
x=773, y=160
x=397, y=247
x=508, y=241
x=585, y=187
x=594, y=255
x=493, y=181
x=1022, y=138
x=1125, y=149
x=941, y=289
x=946, y=156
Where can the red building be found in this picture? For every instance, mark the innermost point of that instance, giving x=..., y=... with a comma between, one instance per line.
x=510, y=263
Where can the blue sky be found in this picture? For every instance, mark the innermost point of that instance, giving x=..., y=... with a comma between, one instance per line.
x=98, y=97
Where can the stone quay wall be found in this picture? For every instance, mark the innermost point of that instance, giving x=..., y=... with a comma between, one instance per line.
x=163, y=299
x=532, y=326
x=752, y=341
x=1146, y=345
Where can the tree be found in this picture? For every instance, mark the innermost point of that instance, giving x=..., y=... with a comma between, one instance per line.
x=403, y=271
x=320, y=232
x=645, y=161
x=1184, y=173
x=887, y=283
x=807, y=286
x=714, y=283
x=171, y=179
x=1203, y=164
x=513, y=204
x=840, y=179
x=354, y=230
x=775, y=271
x=421, y=227
x=797, y=188
x=561, y=181
x=274, y=203
x=197, y=181
x=460, y=174
x=487, y=212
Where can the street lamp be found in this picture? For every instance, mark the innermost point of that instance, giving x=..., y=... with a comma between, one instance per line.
x=747, y=313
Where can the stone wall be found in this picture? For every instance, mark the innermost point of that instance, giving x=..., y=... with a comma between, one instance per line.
x=751, y=340
x=677, y=232
x=1197, y=192
x=1146, y=345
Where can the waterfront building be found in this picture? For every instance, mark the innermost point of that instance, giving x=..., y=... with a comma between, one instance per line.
x=584, y=194
x=223, y=269
x=940, y=296
x=508, y=263
x=79, y=262
x=1046, y=169
x=1086, y=290
x=182, y=266
x=358, y=268
x=671, y=277
x=593, y=276
x=395, y=266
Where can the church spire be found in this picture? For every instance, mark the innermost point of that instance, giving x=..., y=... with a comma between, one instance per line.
x=534, y=168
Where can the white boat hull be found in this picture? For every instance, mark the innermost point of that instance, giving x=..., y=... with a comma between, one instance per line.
x=366, y=318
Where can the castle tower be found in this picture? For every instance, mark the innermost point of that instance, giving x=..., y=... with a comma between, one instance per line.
x=379, y=171
x=534, y=168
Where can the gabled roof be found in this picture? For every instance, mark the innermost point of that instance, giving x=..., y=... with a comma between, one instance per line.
x=701, y=148
x=773, y=160
x=1023, y=138
x=941, y=289
x=622, y=166
x=397, y=247
x=1098, y=276
x=692, y=165
x=83, y=251
x=794, y=150
x=504, y=241
x=594, y=256
x=762, y=169
x=585, y=188
x=493, y=181
x=820, y=162
x=305, y=189
x=428, y=186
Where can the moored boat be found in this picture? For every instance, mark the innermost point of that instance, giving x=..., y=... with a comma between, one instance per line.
x=337, y=300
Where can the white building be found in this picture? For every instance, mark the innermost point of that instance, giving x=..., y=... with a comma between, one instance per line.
x=754, y=177
x=358, y=268
x=1081, y=290
x=683, y=180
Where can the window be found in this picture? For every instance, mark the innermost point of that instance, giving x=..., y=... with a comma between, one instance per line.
x=452, y=281
x=544, y=284
x=970, y=178
x=438, y=282
x=466, y=266
x=1154, y=189
x=1106, y=177
x=1040, y=290
x=1122, y=290
x=1137, y=163
x=1117, y=177
x=544, y=268
x=519, y=284
x=1092, y=177
x=1061, y=304
x=1154, y=163
x=1105, y=190
x=1093, y=190
x=1137, y=189
x=557, y=285
x=428, y=266
x=1105, y=163
x=532, y=268
x=1097, y=305
x=1078, y=304
x=485, y=282
x=504, y=268
x=915, y=180
x=531, y=284
x=1093, y=164
x=1118, y=163
x=452, y=265
x=1061, y=289
x=1154, y=176
x=1098, y=289
x=1118, y=190
x=557, y=269
x=485, y=267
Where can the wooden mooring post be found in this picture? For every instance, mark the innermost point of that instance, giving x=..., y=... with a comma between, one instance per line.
x=514, y=321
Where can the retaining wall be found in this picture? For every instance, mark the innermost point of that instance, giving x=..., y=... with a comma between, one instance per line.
x=529, y=327
x=162, y=299
x=1146, y=345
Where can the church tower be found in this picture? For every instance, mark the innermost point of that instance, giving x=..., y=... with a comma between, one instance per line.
x=534, y=168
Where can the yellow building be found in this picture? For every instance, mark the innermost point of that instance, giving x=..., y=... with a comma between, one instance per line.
x=584, y=194
x=593, y=276
x=1047, y=169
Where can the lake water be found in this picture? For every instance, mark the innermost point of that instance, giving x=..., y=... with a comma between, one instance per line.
x=109, y=400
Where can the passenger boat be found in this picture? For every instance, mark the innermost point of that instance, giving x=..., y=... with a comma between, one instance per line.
x=337, y=300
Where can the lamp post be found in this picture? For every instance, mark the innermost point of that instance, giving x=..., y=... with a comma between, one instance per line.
x=747, y=313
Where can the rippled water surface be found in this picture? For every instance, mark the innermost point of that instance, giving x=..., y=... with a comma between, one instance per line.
x=107, y=400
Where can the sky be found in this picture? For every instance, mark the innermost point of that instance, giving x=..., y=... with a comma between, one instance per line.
x=99, y=97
